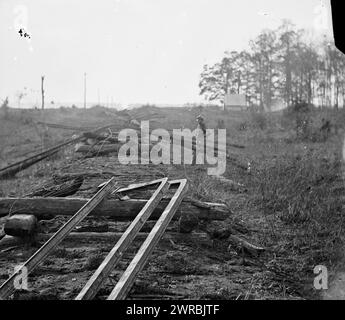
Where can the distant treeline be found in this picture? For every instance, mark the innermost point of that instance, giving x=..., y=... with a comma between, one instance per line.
x=282, y=64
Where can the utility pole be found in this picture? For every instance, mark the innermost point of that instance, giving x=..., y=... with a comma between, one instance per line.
x=42, y=91
x=85, y=90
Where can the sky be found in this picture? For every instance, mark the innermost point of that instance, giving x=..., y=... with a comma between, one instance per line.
x=132, y=51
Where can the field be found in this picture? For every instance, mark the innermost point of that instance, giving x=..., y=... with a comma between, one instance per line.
x=287, y=199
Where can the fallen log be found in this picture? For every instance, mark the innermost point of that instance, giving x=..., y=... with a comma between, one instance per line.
x=20, y=225
x=65, y=189
x=116, y=209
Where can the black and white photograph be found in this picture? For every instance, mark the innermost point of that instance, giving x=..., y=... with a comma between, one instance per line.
x=188, y=152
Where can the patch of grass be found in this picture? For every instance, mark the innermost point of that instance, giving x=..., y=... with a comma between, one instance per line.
x=299, y=198
x=300, y=188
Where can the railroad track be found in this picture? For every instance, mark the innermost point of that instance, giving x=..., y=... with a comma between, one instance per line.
x=97, y=280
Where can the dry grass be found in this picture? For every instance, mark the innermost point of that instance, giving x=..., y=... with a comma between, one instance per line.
x=300, y=189
x=299, y=198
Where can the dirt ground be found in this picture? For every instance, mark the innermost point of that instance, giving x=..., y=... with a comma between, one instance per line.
x=197, y=266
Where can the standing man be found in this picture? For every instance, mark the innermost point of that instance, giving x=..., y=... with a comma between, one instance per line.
x=201, y=124
x=201, y=134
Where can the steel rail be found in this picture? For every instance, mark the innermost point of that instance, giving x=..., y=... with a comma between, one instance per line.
x=126, y=281
x=102, y=273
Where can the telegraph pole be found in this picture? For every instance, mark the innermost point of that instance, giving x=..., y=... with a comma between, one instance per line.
x=85, y=90
x=42, y=91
